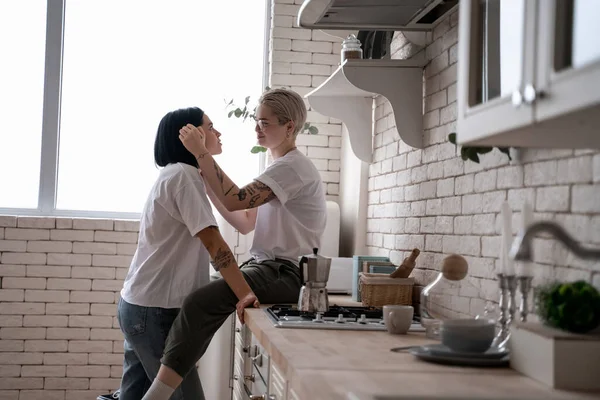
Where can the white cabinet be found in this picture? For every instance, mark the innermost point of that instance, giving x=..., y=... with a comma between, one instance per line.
x=529, y=73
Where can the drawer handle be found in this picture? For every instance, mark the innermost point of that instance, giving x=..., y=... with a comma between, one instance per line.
x=250, y=378
x=257, y=360
x=263, y=397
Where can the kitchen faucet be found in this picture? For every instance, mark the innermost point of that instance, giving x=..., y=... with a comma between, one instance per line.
x=522, y=249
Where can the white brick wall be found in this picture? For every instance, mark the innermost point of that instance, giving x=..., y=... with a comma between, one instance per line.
x=60, y=280
x=444, y=205
x=301, y=59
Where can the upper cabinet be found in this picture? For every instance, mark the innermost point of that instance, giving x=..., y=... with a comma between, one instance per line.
x=529, y=73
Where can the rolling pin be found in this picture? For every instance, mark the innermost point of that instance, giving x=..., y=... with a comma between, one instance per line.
x=404, y=270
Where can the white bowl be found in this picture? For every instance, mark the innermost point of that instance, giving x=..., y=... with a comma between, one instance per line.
x=468, y=335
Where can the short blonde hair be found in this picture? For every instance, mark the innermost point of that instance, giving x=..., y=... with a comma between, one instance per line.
x=287, y=105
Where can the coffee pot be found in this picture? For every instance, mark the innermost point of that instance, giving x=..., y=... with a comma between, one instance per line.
x=314, y=273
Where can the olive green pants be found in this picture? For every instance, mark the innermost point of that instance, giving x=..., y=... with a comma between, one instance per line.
x=205, y=310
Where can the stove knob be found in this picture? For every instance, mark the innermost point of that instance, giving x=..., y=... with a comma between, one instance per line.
x=318, y=317
x=340, y=319
x=363, y=319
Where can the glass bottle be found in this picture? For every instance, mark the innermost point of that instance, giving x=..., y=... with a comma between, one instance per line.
x=351, y=48
x=450, y=296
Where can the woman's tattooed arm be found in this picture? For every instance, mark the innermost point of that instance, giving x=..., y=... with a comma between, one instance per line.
x=231, y=196
x=224, y=261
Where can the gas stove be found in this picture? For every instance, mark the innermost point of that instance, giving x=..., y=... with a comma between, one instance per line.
x=338, y=318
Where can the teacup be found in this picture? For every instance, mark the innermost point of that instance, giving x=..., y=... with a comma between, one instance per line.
x=398, y=318
x=468, y=335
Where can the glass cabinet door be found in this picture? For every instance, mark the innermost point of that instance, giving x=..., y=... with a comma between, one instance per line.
x=568, y=70
x=496, y=58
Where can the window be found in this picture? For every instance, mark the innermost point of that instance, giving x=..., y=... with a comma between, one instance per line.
x=21, y=100
x=124, y=65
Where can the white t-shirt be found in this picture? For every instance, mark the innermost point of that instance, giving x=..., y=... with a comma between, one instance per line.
x=291, y=225
x=170, y=261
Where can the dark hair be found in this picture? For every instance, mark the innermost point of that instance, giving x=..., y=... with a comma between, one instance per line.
x=168, y=149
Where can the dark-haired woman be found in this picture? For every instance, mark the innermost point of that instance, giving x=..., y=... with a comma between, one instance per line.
x=178, y=234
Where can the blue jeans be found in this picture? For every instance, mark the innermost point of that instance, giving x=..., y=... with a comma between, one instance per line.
x=146, y=330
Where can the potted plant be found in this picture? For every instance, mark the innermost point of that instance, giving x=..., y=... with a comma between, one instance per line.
x=573, y=307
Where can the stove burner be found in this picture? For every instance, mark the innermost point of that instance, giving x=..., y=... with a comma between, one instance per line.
x=337, y=317
x=348, y=313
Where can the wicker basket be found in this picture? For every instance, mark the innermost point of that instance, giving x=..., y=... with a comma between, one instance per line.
x=378, y=290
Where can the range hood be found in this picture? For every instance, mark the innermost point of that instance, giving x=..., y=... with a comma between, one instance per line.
x=382, y=15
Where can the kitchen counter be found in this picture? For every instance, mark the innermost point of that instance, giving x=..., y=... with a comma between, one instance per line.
x=331, y=364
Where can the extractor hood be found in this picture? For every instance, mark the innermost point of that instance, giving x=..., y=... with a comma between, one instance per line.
x=382, y=15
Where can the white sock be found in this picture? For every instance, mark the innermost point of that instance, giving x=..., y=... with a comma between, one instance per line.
x=158, y=391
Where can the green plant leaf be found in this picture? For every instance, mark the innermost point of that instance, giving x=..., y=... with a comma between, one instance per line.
x=313, y=130
x=472, y=154
x=247, y=99
x=230, y=113
x=237, y=112
x=258, y=149
x=464, y=153
x=452, y=138
x=267, y=88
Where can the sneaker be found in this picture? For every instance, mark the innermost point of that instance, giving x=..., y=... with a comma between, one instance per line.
x=113, y=396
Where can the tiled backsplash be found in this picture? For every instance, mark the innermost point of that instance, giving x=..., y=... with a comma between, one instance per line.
x=433, y=200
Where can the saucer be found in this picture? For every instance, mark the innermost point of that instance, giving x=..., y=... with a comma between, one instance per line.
x=424, y=354
x=441, y=350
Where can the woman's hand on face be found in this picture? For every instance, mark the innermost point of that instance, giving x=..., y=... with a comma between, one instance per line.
x=194, y=140
x=250, y=300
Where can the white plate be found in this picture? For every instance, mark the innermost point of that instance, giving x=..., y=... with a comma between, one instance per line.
x=425, y=355
x=441, y=350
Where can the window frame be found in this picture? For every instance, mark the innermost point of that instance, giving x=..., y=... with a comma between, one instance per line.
x=55, y=23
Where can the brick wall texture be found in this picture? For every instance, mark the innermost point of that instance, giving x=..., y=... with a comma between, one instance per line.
x=302, y=59
x=429, y=198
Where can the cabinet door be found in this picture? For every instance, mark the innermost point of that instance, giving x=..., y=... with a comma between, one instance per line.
x=495, y=58
x=568, y=69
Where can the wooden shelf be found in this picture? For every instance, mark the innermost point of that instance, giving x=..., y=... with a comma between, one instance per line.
x=348, y=96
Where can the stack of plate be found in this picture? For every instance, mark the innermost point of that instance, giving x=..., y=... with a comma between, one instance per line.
x=438, y=353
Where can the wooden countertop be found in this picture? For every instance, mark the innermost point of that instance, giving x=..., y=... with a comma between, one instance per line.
x=330, y=364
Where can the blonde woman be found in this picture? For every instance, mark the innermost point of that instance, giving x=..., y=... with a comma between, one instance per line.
x=285, y=206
